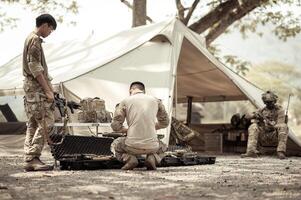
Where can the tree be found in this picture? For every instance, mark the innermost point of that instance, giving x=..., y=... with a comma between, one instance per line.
x=59, y=8
x=211, y=18
x=223, y=13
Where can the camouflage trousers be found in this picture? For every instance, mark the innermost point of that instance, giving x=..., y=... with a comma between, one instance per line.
x=122, y=152
x=257, y=132
x=39, y=114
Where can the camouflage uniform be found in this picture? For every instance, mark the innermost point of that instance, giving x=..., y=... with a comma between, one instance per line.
x=39, y=112
x=268, y=124
x=122, y=152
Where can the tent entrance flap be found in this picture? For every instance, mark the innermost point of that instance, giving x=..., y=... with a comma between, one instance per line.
x=8, y=113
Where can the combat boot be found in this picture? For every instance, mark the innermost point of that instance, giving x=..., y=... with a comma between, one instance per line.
x=250, y=154
x=131, y=163
x=281, y=155
x=37, y=165
x=150, y=162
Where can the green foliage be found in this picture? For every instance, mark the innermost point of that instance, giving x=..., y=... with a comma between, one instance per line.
x=235, y=63
x=284, y=23
x=7, y=21
x=58, y=8
x=283, y=79
x=278, y=15
x=240, y=66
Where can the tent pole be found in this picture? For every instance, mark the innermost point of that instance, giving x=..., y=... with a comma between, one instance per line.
x=62, y=90
x=189, y=110
x=176, y=95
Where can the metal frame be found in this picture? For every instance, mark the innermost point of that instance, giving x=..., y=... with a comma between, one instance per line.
x=96, y=125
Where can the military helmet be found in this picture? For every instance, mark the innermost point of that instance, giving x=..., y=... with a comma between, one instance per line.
x=269, y=96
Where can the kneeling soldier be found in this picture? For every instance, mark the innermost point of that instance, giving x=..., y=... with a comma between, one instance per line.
x=140, y=111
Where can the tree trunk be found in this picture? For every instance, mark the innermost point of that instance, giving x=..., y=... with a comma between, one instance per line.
x=139, y=13
x=223, y=16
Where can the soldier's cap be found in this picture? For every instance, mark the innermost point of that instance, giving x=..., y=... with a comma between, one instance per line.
x=269, y=96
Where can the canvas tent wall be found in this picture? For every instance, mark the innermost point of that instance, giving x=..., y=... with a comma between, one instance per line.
x=168, y=57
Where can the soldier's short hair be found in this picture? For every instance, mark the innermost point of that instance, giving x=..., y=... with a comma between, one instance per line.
x=269, y=96
x=137, y=84
x=46, y=18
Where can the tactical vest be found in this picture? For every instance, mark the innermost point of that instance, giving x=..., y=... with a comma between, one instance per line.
x=93, y=110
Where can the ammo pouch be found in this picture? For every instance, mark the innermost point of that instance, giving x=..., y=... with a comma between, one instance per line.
x=34, y=97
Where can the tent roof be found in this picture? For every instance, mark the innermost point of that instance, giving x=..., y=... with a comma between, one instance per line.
x=71, y=59
x=196, y=66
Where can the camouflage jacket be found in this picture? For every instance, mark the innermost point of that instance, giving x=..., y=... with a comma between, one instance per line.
x=268, y=118
x=33, y=63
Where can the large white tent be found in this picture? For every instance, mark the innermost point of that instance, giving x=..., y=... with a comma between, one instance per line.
x=168, y=57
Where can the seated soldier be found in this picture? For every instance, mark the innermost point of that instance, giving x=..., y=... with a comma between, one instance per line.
x=269, y=120
x=140, y=111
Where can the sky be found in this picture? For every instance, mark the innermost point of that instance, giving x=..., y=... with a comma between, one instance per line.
x=107, y=17
x=100, y=17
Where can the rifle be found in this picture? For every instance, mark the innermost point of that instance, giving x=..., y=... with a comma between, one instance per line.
x=61, y=103
x=269, y=125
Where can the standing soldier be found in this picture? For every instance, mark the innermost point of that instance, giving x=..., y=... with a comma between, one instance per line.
x=39, y=95
x=140, y=111
x=267, y=123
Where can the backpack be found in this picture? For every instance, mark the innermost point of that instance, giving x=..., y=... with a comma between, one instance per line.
x=93, y=110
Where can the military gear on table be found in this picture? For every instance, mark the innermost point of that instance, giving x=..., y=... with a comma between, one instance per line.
x=268, y=126
x=240, y=122
x=93, y=110
x=39, y=112
x=37, y=165
x=62, y=103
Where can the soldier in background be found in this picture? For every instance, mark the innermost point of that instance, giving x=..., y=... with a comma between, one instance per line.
x=140, y=111
x=39, y=95
x=267, y=123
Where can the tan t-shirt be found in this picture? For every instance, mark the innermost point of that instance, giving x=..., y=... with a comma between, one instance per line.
x=141, y=112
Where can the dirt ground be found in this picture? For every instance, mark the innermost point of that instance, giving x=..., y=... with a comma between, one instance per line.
x=230, y=178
